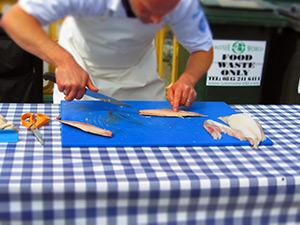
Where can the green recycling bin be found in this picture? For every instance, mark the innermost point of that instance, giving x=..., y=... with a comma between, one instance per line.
x=290, y=48
x=283, y=1
x=242, y=32
x=281, y=84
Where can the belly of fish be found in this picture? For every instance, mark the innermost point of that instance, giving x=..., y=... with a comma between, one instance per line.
x=245, y=123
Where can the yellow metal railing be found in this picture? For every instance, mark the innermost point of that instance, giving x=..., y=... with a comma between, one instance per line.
x=6, y=2
x=174, y=74
x=160, y=43
x=160, y=38
x=53, y=32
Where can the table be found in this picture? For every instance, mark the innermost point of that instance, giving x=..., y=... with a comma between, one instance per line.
x=186, y=185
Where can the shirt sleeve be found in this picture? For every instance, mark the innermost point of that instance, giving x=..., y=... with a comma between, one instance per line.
x=47, y=11
x=191, y=27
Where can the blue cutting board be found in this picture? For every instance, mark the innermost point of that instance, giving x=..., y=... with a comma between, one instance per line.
x=130, y=129
x=9, y=136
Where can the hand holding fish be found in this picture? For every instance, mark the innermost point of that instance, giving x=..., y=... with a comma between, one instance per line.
x=182, y=93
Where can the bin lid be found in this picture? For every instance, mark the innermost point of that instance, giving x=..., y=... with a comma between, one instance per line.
x=282, y=1
x=290, y=10
x=292, y=13
x=242, y=4
x=245, y=12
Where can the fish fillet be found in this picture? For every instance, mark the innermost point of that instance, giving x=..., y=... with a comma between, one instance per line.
x=88, y=128
x=5, y=126
x=251, y=128
x=216, y=128
x=168, y=113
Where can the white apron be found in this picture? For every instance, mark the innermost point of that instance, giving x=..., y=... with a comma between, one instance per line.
x=118, y=53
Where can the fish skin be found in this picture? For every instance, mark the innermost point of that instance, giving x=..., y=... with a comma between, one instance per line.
x=213, y=129
x=168, y=113
x=88, y=128
x=248, y=126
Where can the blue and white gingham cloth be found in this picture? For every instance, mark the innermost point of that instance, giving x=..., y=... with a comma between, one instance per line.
x=192, y=185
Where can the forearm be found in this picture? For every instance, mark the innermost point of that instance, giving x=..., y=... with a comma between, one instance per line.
x=27, y=32
x=197, y=66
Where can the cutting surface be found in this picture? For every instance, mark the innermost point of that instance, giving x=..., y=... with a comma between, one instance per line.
x=9, y=136
x=131, y=129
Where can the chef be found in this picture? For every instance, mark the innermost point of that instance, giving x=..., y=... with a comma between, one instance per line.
x=108, y=45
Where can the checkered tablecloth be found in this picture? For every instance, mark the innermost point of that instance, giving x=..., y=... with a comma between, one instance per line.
x=191, y=185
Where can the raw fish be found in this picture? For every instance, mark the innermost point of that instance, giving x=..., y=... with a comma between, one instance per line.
x=216, y=128
x=168, y=113
x=88, y=128
x=5, y=126
x=251, y=128
x=2, y=119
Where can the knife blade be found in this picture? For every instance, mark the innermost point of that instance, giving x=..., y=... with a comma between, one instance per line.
x=93, y=94
x=105, y=98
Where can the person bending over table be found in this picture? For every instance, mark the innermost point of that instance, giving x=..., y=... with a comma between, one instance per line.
x=108, y=45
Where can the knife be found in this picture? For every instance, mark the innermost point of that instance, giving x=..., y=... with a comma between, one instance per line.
x=93, y=94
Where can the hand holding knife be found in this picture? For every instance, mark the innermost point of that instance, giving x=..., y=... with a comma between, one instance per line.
x=97, y=95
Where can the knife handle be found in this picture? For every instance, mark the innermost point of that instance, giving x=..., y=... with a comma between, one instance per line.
x=50, y=76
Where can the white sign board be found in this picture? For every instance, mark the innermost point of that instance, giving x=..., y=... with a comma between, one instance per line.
x=237, y=63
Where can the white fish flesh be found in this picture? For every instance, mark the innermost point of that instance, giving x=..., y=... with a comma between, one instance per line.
x=88, y=128
x=168, y=113
x=5, y=126
x=251, y=129
x=2, y=119
x=216, y=129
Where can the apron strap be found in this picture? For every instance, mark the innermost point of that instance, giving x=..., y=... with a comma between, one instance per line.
x=128, y=9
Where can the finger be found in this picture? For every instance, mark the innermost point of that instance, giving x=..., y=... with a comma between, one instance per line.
x=170, y=96
x=91, y=86
x=80, y=94
x=70, y=96
x=184, y=98
x=61, y=88
x=176, y=101
x=65, y=92
x=191, y=99
x=188, y=103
